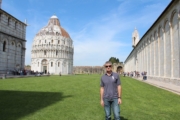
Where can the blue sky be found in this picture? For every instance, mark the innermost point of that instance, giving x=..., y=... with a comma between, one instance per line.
x=100, y=29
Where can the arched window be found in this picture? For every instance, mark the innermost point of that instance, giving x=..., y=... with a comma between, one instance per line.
x=45, y=41
x=4, y=46
x=38, y=64
x=8, y=22
x=0, y=16
x=39, y=41
x=58, y=41
x=15, y=26
x=51, y=64
x=56, y=53
x=44, y=52
x=58, y=64
x=51, y=41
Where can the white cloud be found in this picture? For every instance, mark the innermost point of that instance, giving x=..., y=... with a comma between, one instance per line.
x=96, y=42
x=106, y=36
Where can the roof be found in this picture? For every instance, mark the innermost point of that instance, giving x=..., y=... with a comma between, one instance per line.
x=54, y=28
x=12, y=16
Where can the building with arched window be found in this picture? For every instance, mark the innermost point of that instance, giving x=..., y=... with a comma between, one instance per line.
x=54, y=54
x=12, y=43
x=158, y=51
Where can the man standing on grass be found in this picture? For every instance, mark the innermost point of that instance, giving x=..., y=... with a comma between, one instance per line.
x=110, y=92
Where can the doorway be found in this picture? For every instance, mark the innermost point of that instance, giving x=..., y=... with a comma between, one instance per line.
x=45, y=69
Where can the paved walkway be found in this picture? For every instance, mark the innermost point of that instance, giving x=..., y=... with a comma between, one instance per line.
x=166, y=86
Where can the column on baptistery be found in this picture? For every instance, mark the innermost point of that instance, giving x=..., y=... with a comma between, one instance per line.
x=156, y=55
x=60, y=53
x=175, y=38
x=168, y=50
x=66, y=54
x=42, y=53
x=37, y=53
x=161, y=52
x=63, y=53
x=47, y=53
x=53, y=53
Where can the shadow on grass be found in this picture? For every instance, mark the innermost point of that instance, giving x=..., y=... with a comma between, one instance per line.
x=17, y=104
x=122, y=118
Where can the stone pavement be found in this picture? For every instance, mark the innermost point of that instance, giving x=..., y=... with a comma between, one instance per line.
x=166, y=86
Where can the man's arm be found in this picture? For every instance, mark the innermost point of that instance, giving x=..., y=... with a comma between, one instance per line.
x=101, y=95
x=119, y=94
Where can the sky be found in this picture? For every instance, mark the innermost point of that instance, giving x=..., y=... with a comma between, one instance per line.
x=100, y=29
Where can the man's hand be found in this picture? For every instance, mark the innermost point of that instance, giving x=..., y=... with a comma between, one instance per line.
x=102, y=103
x=119, y=101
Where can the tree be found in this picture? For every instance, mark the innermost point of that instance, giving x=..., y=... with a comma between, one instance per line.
x=114, y=60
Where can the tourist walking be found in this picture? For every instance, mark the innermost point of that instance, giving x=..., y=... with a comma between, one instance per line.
x=110, y=92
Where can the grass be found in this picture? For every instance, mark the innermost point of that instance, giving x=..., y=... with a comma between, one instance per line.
x=77, y=98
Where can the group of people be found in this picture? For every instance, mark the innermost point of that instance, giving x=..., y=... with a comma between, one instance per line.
x=136, y=74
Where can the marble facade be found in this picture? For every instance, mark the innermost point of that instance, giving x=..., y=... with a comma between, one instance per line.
x=12, y=43
x=52, y=49
x=158, y=51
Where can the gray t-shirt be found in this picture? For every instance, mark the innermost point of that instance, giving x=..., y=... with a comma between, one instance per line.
x=110, y=84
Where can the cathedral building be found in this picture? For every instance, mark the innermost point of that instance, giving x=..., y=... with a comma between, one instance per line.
x=52, y=49
x=12, y=43
x=158, y=51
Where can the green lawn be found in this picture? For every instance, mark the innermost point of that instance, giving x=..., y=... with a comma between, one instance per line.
x=77, y=98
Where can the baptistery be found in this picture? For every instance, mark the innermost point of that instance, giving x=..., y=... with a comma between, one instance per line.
x=52, y=49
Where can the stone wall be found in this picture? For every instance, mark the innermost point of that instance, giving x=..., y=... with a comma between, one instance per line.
x=88, y=70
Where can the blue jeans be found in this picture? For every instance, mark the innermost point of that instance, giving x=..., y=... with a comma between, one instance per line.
x=108, y=104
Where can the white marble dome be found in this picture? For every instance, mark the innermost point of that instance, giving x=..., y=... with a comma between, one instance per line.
x=52, y=49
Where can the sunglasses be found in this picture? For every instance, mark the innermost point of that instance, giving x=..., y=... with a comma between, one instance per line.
x=108, y=66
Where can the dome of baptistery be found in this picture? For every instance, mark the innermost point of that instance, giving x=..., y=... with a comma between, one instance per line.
x=52, y=49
